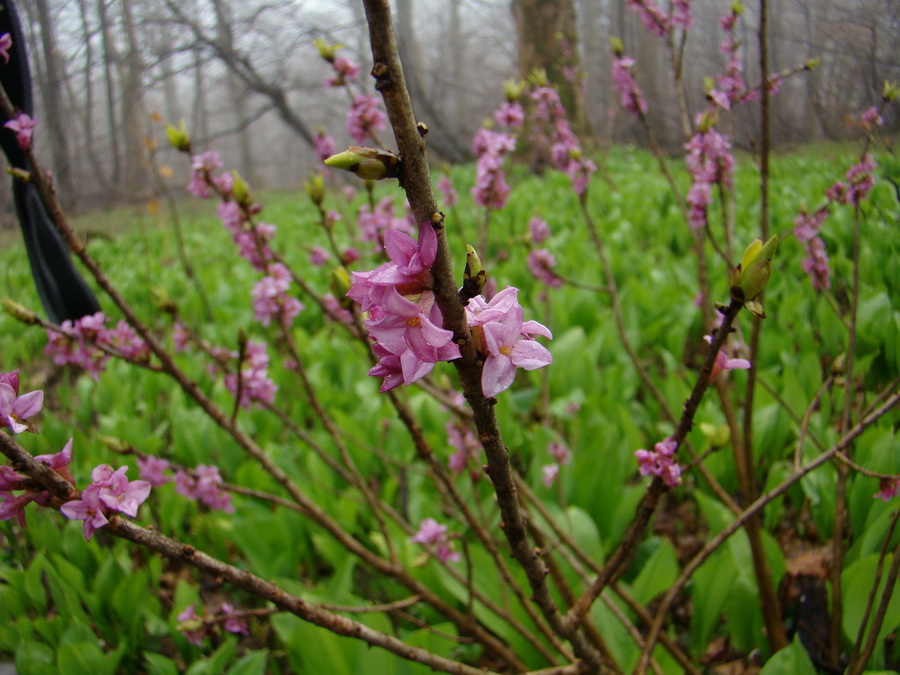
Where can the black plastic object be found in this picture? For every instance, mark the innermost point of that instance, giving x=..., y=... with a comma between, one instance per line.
x=62, y=290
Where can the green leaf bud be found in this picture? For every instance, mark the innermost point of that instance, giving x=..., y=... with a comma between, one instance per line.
x=18, y=312
x=179, y=138
x=474, y=276
x=240, y=190
x=367, y=163
x=315, y=188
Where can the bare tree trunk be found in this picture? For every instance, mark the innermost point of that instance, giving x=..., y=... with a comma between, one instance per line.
x=110, y=59
x=132, y=108
x=237, y=93
x=547, y=38
x=52, y=92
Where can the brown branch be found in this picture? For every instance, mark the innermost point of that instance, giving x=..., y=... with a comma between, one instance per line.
x=415, y=179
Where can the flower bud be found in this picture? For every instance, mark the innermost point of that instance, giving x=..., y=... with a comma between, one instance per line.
x=179, y=138
x=512, y=90
x=616, y=45
x=367, y=163
x=537, y=77
x=18, y=312
x=240, y=190
x=115, y=444
x=20, y=174
x=339, y=283
x=326, y=50
x=474, y=276
x=315, y=188
x=749, y=278
x=890, y=91
x=812, y=64
x=737, y=7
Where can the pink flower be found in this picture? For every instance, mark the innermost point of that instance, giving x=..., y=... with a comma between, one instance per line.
x=538, y=229
x=871, y=118
x=89, y=509
x=324, y=146
x=653, y=17
x=630, y=94
x=6, y=44
x=461, y=437
x=192, y=626
x=364, y=117
x=434, y=535
x=23, y=126
x=14, y=507
x=202, y=166
x=256, y=385
x=660, y=462
x=723, y=363
x=887, y=488
x=152, y=470
x=270, y=298
x=491, y=190
x=560, y=453
x=118, y=493
x=815, y=264
x=445, y=185
x=15, y=408
x=549, y=474
x=233, y=623
x=318, y=256
x=510, y=114
x=541, y=263
x=506, y=351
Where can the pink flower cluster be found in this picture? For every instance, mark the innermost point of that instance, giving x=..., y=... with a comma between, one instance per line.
x=541, y=263
x=271, y=299
x=404, y=320
x=324, y=145
x=204, y=484
x=448, y=192
x=78, y=343
x=652, y=16
x=23, y=127
x=505, y=339
x=538, y=230
x=468, y=450
x=195, y=627
x=491, y=190
x=373, y=223
x=815, y=264
x=15, y=409
x=660, y=462
x=510, y=114
x=251, y=238
x=364, y=118
x=345, y=70
x=710, y=163
x=551, y=126
x=254, y=383
x=202, y=167
x=853, y=190
x=630, y=94
x=109, y=491
x=859, y=182
x=434, y=535
x=10, y=481
x=732, y=86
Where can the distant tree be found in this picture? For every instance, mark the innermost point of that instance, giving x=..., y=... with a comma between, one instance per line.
x=547, y=38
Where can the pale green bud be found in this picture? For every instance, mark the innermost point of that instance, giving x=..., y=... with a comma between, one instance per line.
x=179, y=138
x=367, y=163
x=326, y=50
x=339, y=283
x=890, y=91
x=616, y=45
x=474, y=276
x=752, y=274
x=240, y=190
x=315, y=188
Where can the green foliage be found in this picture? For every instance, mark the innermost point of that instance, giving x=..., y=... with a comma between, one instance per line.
x=93, y=607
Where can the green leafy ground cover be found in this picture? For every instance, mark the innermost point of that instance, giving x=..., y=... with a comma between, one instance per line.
x=100, y=606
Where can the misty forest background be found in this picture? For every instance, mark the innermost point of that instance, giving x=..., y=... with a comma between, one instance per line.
x=247, y=79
